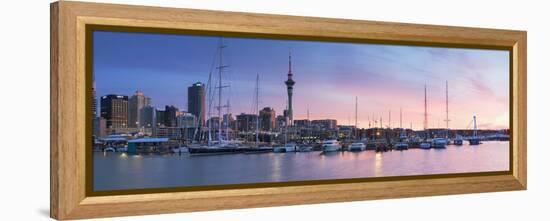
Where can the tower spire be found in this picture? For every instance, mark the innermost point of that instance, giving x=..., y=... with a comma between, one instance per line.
x=289, y=64
x=289, y=87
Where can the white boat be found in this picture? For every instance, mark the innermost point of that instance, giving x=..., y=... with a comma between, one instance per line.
x=331, y=145
x=439, y=142
x=425, y=145
x=305, y=149
x=357, y=147
x=286, y=148
x=401, y=146
x=109, y=149
x=457, y=140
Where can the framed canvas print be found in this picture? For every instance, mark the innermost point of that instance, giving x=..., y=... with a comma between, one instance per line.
x=159, y=110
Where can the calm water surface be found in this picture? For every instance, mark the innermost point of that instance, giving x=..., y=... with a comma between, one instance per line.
x=113, y=171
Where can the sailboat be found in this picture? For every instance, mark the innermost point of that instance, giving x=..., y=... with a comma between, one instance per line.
x=402, y=144
x=220, y=145
x=425, y=144
x=474, y=140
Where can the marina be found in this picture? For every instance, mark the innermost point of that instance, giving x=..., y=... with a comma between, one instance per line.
x=139, y=146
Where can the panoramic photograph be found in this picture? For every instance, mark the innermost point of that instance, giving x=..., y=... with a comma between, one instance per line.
x=175, y=110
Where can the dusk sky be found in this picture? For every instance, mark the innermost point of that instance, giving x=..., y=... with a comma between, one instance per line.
x=328, y=77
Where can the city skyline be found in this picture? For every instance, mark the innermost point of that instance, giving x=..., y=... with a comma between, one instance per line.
x=328, y=77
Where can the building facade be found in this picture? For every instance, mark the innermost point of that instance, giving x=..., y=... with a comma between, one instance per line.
x=267, y=119
x=327, y=124
x=186, y=120
x=170, y=113
x=147, y=117
x=196, y=103
x=114, y=109
x=135, y=103
x=246, y=122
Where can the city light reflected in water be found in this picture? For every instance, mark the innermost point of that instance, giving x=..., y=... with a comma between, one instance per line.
x=378, y=164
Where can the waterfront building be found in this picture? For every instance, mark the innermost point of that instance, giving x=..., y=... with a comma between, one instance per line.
x=186, y=120
x=114, y=109
x=267, y=119
x=280, y=122
x=246, y=122
x=345, y=131
x=147, y=117
x=149, y=145
x=326, y=124
x=135, y=103
x=172, y=133
x=170, y=113
x=99, y=127
x=159, y=118
x=302, y=123
x=196, y=104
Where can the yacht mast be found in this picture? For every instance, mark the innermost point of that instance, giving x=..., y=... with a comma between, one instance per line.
x=475, y=127
x=403, y=134
x=256, y=100
x=355, y=117
x=220, y=86
x=425, y=108
x=447, y=109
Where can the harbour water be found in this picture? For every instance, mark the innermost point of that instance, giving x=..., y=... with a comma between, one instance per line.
x=118, y=171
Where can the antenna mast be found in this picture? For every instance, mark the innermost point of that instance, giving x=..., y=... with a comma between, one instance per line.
x=400, y=118
x=425, y=108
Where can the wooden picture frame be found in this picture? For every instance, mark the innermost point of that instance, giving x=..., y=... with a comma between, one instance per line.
x=69, y=198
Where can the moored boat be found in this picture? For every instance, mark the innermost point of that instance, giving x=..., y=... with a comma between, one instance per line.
x=331, y=145
x=457, y=140
x=306, y=148
x=439, y=142
x=357, y=147
x=425, y=145
x=401, y=146
x=286, y=148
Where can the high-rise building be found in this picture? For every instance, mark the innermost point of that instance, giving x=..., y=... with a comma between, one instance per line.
x=186, y=120
x=135, y=103
x=99, y=127
x=114, y=108
x=267, y=119
x=94, y=101
x=246, y=122
x=159, y=118
x=196, y=103
x=170, y=113
x=147, y=116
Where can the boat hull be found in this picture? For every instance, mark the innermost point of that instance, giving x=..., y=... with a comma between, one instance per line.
x=331, y=148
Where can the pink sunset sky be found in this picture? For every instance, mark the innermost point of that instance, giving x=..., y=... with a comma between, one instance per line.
x=329, y=76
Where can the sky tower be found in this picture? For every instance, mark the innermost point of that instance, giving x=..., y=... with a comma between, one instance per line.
x=289, y=87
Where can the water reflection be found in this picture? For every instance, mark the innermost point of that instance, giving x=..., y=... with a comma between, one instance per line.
x=120, y=171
